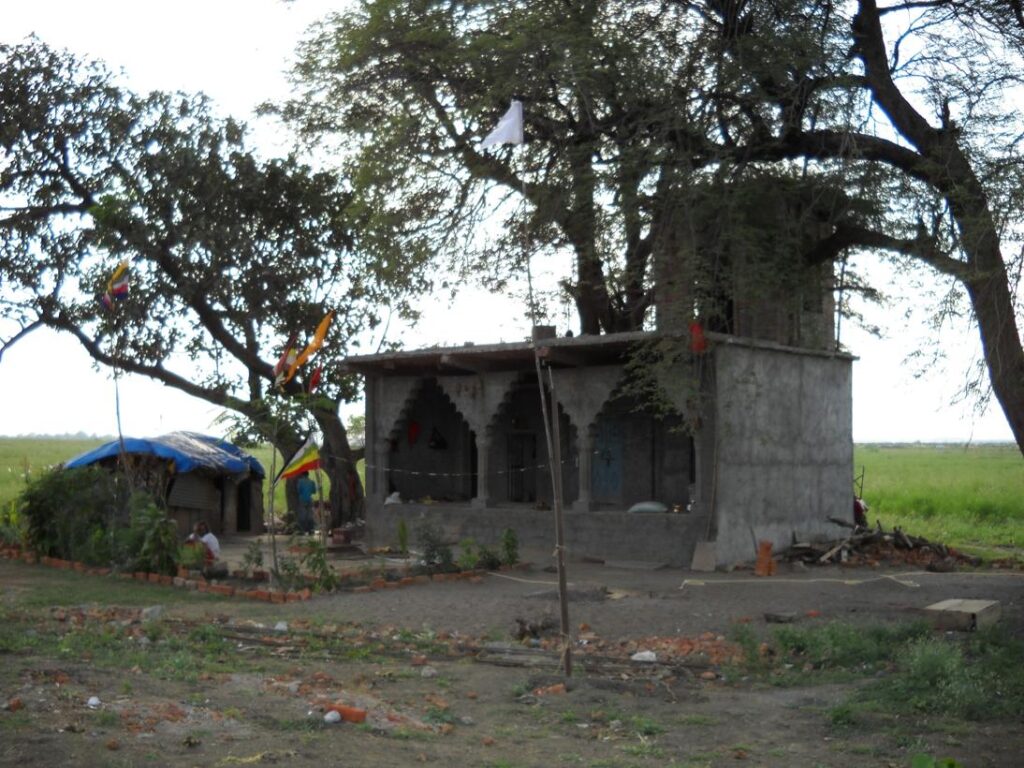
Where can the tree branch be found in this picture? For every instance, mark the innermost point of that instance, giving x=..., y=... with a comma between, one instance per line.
x=25, y=331
x=922, y=247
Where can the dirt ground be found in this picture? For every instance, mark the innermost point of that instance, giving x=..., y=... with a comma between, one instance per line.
x=442, y=680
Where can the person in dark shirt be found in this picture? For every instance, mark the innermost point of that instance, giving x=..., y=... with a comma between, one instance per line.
x=307, y=490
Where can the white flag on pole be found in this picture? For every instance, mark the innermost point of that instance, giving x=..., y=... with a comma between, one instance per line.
x=509, y=129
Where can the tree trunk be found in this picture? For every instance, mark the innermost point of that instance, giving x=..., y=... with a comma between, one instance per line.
x=948, y=169
x=1000, y=339
x=339, y=462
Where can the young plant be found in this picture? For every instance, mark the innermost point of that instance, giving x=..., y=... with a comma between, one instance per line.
x=288, y=573
x=437, y=556
x=403, y=537
x=191, y=557
x=468, y=558
x=315, y=561
x=252, y=560
x=488, y=559
x=509, y=547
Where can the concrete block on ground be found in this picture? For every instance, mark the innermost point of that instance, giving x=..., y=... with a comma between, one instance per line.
x=704, y=558
x=964, y=615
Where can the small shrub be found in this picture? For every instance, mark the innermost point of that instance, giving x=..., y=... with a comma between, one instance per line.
x=95, y=516
x=252, y=560
x=315, y=562
x=509, y=547
x=62, y=509
x=157, y=536
x=488, y=558
x=288, y=573
x=468, y=557
x=191, y=557
x=12, y=526
x=437, y=556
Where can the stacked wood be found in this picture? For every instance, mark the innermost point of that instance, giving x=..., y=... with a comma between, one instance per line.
x=873, y=546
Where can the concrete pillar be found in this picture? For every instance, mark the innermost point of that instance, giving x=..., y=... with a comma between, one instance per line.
x=383, y=460
x=585, y=437
x=483, y=452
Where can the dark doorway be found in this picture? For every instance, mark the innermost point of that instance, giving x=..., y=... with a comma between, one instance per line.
x=522, y=467
x=244, y=502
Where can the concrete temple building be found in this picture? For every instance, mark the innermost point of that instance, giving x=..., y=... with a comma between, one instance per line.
x=455, y=436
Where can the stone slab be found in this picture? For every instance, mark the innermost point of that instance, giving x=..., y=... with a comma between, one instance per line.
x=964, y=615
x=704, y=557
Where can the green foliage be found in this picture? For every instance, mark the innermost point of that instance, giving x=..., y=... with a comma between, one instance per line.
x=403, y=537
x=979, y=679
x=191, y=557
x=162, y=181
x=844, y=646
x=315, y=562
x=75, y=514
x=927, y=761
x=154, y=538
x=468, y=556
x=252, y=560
x=436, y=554
x=288, y=573
x=488, y=558
x=12, y=525
x=509, y=547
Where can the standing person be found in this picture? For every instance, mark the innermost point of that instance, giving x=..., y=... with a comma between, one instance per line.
x=307, y=490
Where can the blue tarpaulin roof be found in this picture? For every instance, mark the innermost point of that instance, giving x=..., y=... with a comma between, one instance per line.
x=188, y=450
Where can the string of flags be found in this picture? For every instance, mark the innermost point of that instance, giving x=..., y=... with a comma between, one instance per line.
x=292, y=360
x=496, y=472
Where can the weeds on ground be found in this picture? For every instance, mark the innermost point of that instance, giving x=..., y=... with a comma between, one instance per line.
x=980, y=678
x=976, y=677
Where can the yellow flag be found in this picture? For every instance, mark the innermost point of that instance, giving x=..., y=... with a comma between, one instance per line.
x=314, y=345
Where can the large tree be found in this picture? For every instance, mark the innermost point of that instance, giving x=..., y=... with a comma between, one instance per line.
x=639, y=115
x=229, y=254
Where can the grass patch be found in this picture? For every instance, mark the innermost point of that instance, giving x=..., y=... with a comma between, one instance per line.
x=845, y=646
x=980, y=678
x=644, y=749
x=975, y=677
x=965, y=496
x=697, y=720
x=645, y=726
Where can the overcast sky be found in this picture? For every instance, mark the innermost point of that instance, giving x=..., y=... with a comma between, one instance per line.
x=237, y=51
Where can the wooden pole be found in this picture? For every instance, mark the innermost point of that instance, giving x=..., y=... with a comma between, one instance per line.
x=563, y=590
x=320, y=502
x=273, y=488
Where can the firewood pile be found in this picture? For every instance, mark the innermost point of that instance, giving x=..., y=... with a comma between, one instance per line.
x=875, y=546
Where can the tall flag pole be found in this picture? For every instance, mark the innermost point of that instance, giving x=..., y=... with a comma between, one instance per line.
x=117, y=290
x=510, y=131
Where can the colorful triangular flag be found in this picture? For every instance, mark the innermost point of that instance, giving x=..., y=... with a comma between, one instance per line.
x=117, y=286
x=306, y=459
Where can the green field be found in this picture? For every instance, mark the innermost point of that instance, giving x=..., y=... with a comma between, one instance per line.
x=968, y=496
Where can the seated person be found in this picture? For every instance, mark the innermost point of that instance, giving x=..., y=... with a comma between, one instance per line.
x=201, y=535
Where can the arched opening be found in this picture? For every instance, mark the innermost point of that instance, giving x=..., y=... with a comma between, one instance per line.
x=640, y=456
x=432, y=450
x=519, y=457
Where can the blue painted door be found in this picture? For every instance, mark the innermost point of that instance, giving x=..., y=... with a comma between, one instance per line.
x=606, y=463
